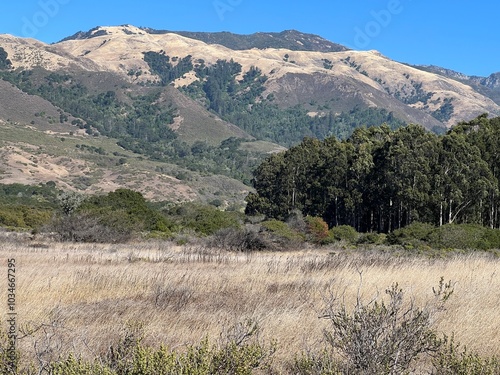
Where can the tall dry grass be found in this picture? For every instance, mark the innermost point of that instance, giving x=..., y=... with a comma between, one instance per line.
x=80, y=298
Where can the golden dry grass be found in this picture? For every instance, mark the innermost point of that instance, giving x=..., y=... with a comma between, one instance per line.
x=81, y=296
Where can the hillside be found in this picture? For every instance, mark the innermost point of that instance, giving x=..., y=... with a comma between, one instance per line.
x=289, y=39
x=206, y=104
x=488, y=86
x=78, y=162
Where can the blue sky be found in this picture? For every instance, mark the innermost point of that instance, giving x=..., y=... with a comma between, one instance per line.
x=459, y=35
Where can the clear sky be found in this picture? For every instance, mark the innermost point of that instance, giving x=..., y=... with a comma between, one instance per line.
x=461, y=35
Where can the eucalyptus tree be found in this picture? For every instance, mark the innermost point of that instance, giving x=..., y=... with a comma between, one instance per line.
x=401, y=179
x=484, y=133
x=462, y=180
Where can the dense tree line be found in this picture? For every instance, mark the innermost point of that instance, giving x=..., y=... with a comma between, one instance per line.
x=381, y=179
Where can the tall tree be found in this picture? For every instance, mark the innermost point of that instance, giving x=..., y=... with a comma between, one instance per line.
x=462, y=180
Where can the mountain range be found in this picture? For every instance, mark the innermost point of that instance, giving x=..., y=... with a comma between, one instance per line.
x=186, y=115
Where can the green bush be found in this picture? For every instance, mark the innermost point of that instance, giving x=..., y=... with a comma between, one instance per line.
x=344, y=233
x=371, y=238
x=126, y=210
x=464, y=236
x=21, y=216
x=9, y=356
x=412, y=236
x=449, y=236
x=130, y=357
x=203, y=219
x=75, y=366
x=282, y=232
x=10, y=217
x=35, y=218
x=315, y=364
x=452, y=360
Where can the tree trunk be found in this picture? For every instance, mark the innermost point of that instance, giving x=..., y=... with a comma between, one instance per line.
x=441, y=214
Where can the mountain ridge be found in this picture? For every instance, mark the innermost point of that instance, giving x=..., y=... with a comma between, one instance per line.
x=278, y=62
x=288, y=39
x=110, y=63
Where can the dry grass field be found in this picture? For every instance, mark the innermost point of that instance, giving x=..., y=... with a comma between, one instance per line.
x=81, y=298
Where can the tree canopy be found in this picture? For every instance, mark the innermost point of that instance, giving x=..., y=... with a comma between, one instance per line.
x=381, y=179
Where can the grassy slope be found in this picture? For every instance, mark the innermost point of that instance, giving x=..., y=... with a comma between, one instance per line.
x=33, y=156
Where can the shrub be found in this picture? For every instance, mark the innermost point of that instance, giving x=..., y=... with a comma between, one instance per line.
x=246, y=239
x=344, y=233
x=451, y=360
x=281, y=233
x=21, y=216
x=296, y=221
x=36, y=218
x=85, y=227
x=125, y=210
x=203, y=219
x=412, y=235
x=372, y=238
x=11, y=218
x=464, y=236
x=382, y=337
x=76, y=366
x=130, y=357
x=317, y=229
x=315, y=364
x=9, y=356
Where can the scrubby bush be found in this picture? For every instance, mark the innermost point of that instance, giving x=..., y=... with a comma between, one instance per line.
x=130, y=357
x=371, y=239
x=10, y=217
x=86, y=227
x=21, y=216
x=244, y=239
x=9, y=356
x=391, y=336
x=344, y=233
x=281, y=234
x=127, y=209
x=203, y=219
x=464, y=236
x=449, y=236
x=413, y=235
x=380, y=337
x=115, y=217
x=452, y=359
x=317, y=229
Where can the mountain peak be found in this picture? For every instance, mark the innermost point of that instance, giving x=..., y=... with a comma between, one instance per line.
x=104, y=30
